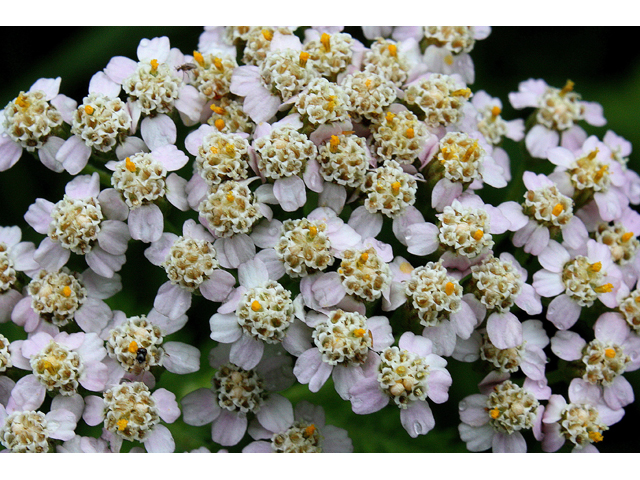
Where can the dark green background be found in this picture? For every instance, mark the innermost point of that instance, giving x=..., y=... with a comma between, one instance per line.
x=597, y=59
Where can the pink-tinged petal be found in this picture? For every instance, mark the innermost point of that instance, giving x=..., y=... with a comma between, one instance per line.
x=252, y=273
x=381, y=332
x=166, y=404
x=10, y=152
x=260, y=104
x=72, y=403
x=8, y=301
x=439, y=382
x=66, y=106
x=581, y=391
x=190, y=104
x=573, y=138
x=104, y=263
x=260, y=447
x=83, y=186
x=160, y=440
x=158, y=131
x=464, y=321
x=561, y=157
x=93, y=315
x=332, y=196
x=504, y=330
x=528, y=93
x=528, y=300
x=51, y=255
x=194, y=140
x=22, y=257
x=23, y=315
x=229, y=428
x=367, y=224
x=38, y=215
x=611, y=327
x=422, y=238
x=314, y=181
x=101, y=83
x=112, y=204
x=114, y=237
x=181, y=358
x=553, y=439
x=50, y=87
x=505, y=443
x=218, y=286
x=540, y=140
x=246, y=352
x=444, y=193
x=234, y=250
x=176, y=192
x=328, y=290
x=547, y=284
x=166, y=324
x=266, y=234
x=61, y=424
x=310, y=369
x=244, y=80
x=563, y=312
x=200, y=407
x=298, y=338
x=345, y=377
x=119, y=68
x=608, y=205
x=594, y=114
x=473, y=410
x=567, y=345
x=290, y=192
x=146, y=223
x=28, y=394
x=155, y=49
x=477, y=439
x=366, y=396
x=170, y=156
x=417, y=419
x=513, y=212
x=574, y=233
x=533, y=363
x=272, y=262
x=401, y=223
x=172, y=300
x=443, y=337
x=95, y=376
x=276, y=414
x=493, y=174
x=158, y=251
x=92, y=348
x=554, y=257
x=619, y=394
x=47, y=154
x=74, y=155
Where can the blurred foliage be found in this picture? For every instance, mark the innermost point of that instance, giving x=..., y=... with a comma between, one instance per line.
x=590, y=57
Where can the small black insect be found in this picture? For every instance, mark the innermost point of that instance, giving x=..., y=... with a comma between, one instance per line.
x=141, y=355
x=186, y=67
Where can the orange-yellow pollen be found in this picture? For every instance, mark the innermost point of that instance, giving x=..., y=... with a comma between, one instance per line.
x=48, y=366
x=610, y=353
x=627, y=236
x=389, y=117
x=595, y=267
x=219, y=124
x=496, y=110
x=267, y=34
x=217, y=109
x=313, y=230
x=405, y=267
x=393, y=49
x=154, y=64
x=304, y=56
x=21, y=101
x=325, y=39
x=122, y=424
x=334, y=142
x=478, y=235
x=230, y=149
x=359, y=332
x=88, y=109
x=255, y=306
x=214, y=150
x=495, y=413
x=310, y=430
x=606, y=288
x=601, y=172
x=364, y=257
x=395, y=187
x=593, y=154
x=129, y=165
x=470, y=151
x=197, y=56
x=367, y=83
x=448, y=59
x=332, y=103
x=557, y=210
x=449, y=288
x=218, y=63
x=230, y=197
x=595, y=436
x=410, y=133
x=66, y=291
x=568, y=87
x=133, y=347
x=463, y=92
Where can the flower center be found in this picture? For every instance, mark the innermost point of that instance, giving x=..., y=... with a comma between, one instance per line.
x=581, y=425
x=153, y=86
x=304, y=247
x=403, y=376
x=434, y=294
x=136, y=344
x=440, y=98
x=8, y=274
x=230, y=208
x=603, y=362
x=301, y=437
x=464, y=230
x=364, y=273
x=56, y=296
x=130, y=411
x=140, y=179
x=583, y=281
x=343, y=338
x=5, y=354
x=511, y=408
x=190, y=262
x=238, y=390
x=285, y=152
x=101, y=121
x=57, y=368
x=389, y=190
x=30, y=120
x=266, y=312
x=496, y=283
x=560, y=109
x=400, y=137
x=505, y=360
x=75, y=223
x=622, y=244
x=25, y=432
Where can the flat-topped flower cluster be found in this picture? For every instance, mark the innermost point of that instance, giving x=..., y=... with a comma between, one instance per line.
x=337, y=226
